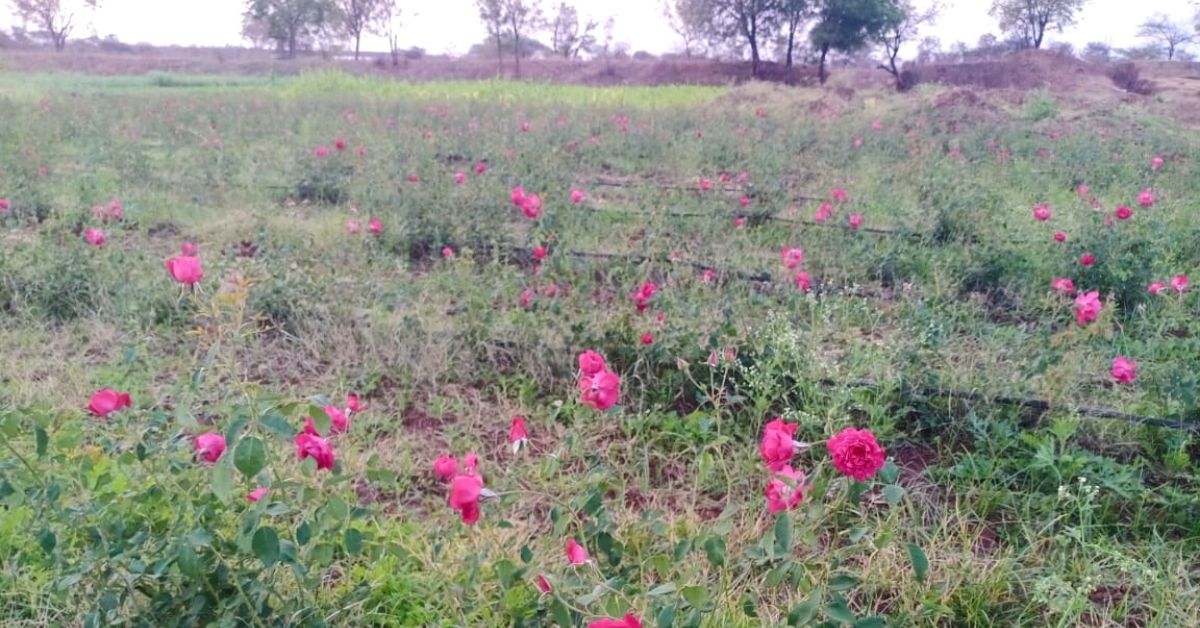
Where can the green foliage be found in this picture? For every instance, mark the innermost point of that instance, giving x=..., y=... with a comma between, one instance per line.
x=291, y=24
x=984, y=513
x=1027, y=20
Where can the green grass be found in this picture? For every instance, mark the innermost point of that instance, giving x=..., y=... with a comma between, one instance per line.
x=1025, y=517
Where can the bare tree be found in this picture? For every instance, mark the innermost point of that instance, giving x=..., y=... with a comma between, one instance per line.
x=687, y=27
x=1029, y=19
x=568, y=38
x=902, y=30
x=491, y=12
x=751, y=21
x=928, y=49
x=363, y=16
x=51, y=15
x=792, y=16
x=1170, y=34
x=391, y=21
x=521, y=16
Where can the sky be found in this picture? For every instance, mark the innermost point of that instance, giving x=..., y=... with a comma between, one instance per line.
x=452, y=26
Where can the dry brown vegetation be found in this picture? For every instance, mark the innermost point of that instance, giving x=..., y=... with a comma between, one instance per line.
x=1174, y=83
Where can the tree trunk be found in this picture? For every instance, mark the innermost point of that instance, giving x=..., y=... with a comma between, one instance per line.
x=1170, y=52
x=517, y=51
x=357, y=41
x=821, y=70
x=753, y=56
x=790, y=46
x=499, y=55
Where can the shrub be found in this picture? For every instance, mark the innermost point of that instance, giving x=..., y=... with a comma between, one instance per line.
x=1127, y=77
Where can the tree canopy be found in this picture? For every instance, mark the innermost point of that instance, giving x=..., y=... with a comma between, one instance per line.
x=57, y=18
x=848, y=25
x=1027, y=20
x=291, y=24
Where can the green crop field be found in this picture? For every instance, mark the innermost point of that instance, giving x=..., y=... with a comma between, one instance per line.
x=1027, y=453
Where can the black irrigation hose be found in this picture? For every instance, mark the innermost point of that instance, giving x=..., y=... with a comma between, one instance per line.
x=764, y=216
x=518, y=253
x=1037, y=405
x=666, y=186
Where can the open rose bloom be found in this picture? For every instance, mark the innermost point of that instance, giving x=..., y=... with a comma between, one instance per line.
x=185, y=269
x=856, y=453
x=107, y=401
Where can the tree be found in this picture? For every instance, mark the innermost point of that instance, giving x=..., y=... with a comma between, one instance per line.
x=750, y=20
x=363, y=16
x=1028, y=20
x=901, y=28
x=491, y=12
x=1141, y=53
x=51, y=15
x=848, y=25
x=391, y=20
x=568, y=39
x=521, y=16
x=928, y=49
x=1097, y=52
x=688, y=27
x=792, y=16
x=291, y=24
x=1168, y=33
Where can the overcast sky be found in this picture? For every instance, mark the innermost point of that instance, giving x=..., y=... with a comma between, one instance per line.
x=452, y=26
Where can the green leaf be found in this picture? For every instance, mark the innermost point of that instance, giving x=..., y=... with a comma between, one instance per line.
x=805, y=611
x=188, y=561
x=874, y=621
x=842, y=582
x=266, y=545
x=893, y=494
x=320, y=419
x=889, y=472
x=562, y=614
x=697, y=597
x=506, y=572
x=714, y=548
x=594, y=503
x=682, y=549
x=596, y=593
x=354, y=541
x=778, y=574
x=43, y=441
x=783, y=535
x=666, y=617
x=303, y=534
x=222, y=481
x=322, y=554
x=250, y=456
x=278, y=426
x=199, y=537
x=750, y=606
x=526, y=554
x=920, y=561
x=667, y=588
x=48, y=541
x=839, y=611
x=336, y=511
